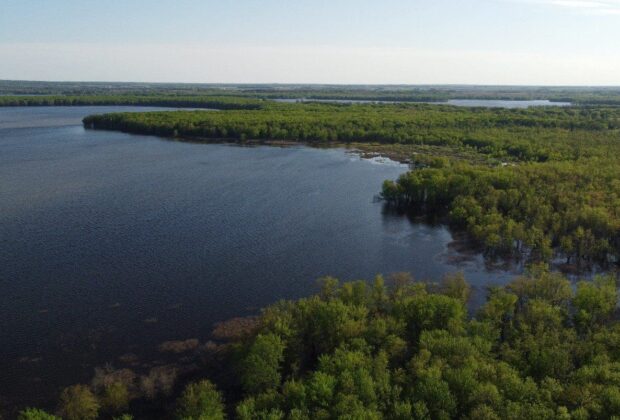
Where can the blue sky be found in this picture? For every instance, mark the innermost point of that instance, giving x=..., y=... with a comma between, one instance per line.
x=557, y=42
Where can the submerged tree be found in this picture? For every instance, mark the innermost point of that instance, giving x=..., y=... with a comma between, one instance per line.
x=77, y=402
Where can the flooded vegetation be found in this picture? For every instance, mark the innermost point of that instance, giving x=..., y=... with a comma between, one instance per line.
x=395, y=349
x=114, y=244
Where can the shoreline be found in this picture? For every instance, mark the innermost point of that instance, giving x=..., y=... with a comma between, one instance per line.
x=403, y=154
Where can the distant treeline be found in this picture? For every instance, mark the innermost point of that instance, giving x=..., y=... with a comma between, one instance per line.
x=187, y=101
x=398, y=93
x=577, y=97
x=549, y=188
x=537, y=349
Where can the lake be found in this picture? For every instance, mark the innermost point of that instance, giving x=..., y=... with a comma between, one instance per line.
x=496, y=103
x=112, y=243
x=487, y=103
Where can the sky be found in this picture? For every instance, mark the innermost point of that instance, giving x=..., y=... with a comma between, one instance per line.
x=491, y=42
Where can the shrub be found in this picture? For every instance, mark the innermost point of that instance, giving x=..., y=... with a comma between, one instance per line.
x=77, y=402
x=200, y=401
x=36, y=414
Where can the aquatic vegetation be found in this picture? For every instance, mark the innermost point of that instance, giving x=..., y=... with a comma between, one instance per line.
x=235, y=328
x=159, y=381
x=179, y=346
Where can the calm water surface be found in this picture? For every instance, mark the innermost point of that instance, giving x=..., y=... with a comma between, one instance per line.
x=487, y=103
x=112, y=243
x=495, y=103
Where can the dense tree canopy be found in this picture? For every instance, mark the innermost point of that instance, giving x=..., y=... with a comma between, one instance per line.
x=532, y=210
x=536, y=349
x=540, y=134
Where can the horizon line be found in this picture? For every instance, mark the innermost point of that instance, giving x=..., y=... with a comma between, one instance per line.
x=317, y=84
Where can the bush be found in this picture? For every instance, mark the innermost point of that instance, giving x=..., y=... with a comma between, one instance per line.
x=115, y=397
x=200, y=401
x=77, y=402
x=36, y=414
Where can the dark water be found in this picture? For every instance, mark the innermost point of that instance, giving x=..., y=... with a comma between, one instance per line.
x=112, y=243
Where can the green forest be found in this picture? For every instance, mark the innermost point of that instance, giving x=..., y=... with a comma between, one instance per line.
x=537, y=349
x=528, y=184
